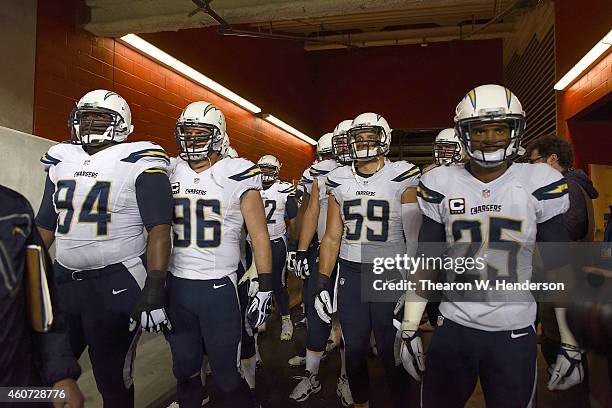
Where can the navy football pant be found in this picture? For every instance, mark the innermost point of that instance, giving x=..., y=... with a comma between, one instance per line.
x=458, y=355
x=317, y=331
x=97, y=310
x=279, y=258
x=358, y=319
x=208, y=311
x=247, y=345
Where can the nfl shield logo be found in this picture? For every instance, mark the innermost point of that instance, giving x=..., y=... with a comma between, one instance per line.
x=86, y=163
x=196, y=180
x=486, y=193
x=341, y=281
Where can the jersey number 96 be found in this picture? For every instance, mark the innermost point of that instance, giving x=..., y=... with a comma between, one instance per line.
x=182, y=217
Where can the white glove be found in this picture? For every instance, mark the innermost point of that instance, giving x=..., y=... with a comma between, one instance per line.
x=568, y=370
x=259, y=309
x=291, y=261
x=411, y=351
x=323, y=306
x=149, y=310
x=252, y=277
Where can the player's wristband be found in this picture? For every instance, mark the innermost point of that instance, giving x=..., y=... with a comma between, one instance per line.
x=323, y=282
x=292, y=245
x=265, y=282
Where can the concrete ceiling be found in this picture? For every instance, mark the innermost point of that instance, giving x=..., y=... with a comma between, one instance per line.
x=333, y=23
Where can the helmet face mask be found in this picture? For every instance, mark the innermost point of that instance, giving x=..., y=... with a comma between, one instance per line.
x=366, y=142
x=196, y=142
x=340, y=148
x=101, y=117
x=490, y=122
x=269, y=173
x=270, y=169
x=446, y=153
x=491, y=142
x=201, y=131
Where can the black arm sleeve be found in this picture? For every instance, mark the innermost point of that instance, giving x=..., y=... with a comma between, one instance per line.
x=154, y=197
x=549, y=232
x=431, y=232
x=47, y=217
x=291, y=207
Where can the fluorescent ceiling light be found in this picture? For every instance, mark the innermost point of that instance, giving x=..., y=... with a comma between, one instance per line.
x=166, y=59
x=276, y=121
x=586, y=61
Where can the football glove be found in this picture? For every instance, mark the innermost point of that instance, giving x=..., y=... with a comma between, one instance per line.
x=301, y=264
x=259, y=309
x=291, y=249
x=411, y=349
x=260, y=305
x=323, y=302
x=568, y=369
x=251, y=276
x=149, y=311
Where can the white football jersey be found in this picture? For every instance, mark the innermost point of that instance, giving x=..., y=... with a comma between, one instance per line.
x=371, y=209
x=99, y=222
x=319, y=172
x=275, y=202
x=503, y=214
x=207, y=226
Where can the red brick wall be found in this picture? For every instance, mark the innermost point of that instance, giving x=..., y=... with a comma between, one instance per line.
x=572, y=42
x=71, y=62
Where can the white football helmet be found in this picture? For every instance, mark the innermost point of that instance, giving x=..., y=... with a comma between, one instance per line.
x=340, y=147
x=324, y=145
x=100, y=117
x=362, y=146
x=490, y=104
x=200, y=116
x=270, y=167
x=447, y=148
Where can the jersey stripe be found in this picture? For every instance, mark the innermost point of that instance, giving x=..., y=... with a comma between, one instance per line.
x=316, y=172
x=331, y=184
x=243, y=175
x=553, y=190
x=48, y=159
x=287, y=190
x=156, y=171
x=413, y=171
x=157, y=153
x=428, y=194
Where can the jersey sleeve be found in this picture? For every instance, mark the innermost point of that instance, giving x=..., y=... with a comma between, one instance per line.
x=429, y=197
x=148, y=157
x=407, y=174
x=307, y=181
x=550, y=191
x=332, y=184
x=53, y=156
x=47, y=217
x=154, y=197
x=245, y=173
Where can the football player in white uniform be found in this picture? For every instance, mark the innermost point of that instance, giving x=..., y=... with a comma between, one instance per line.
x=100, y=194
x=447, y=149
x=371, y=209
x=213, y=198
x=505, y=207
x=281, y=208
x=313, y=224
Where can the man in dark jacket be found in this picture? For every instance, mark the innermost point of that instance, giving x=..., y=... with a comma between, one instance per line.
x=28, y=358
x=557, y=153
x=579, y=222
